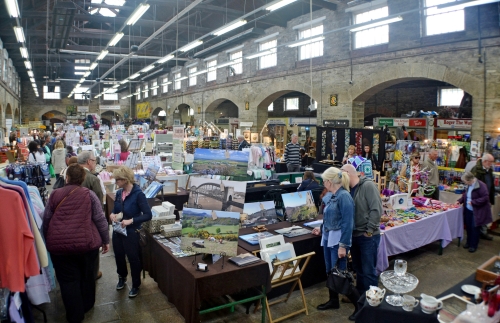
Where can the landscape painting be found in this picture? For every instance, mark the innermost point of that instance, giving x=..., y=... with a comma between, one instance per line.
x=220, y=162
x=210, y=231
x=213, y=194
x=299, y=206
x=258, y=213
x=278, y=254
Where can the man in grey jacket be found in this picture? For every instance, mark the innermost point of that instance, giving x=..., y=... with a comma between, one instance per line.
x=366, y=233
x=433, y=177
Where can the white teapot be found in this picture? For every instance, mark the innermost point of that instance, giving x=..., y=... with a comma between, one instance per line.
x=430, y=304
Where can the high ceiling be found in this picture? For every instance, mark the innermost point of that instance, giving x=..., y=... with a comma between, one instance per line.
x=58, y=33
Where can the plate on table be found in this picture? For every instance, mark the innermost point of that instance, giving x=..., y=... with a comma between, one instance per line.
x=471, y=289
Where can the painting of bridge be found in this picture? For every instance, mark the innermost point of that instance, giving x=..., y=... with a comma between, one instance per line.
x=220, y=162
x=216, y=194
x=210, y=231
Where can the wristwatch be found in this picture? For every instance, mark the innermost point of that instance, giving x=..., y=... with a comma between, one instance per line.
x=369, y=234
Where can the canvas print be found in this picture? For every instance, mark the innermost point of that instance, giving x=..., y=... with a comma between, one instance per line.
x=215, y=162
x=270, y=242
x=214, y=194
x=210, y=231
x=277, y=254
x=299, y=206
x=258, y=213
x=253, y=238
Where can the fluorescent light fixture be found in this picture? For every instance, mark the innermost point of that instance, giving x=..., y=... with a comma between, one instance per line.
x=102, y=54
x=136, y=75
x=70, y=95
x=236, y=61
x=30, y=74
x=306, y=41
x=155, y=87
x=191, y=45
x=24, y=52
x=97, y=96
x=79, y=72
x=110, y=91
x=279, y=4
x=147, y=68
x=181, y=78
x=198, y=73
x=19, y=34
x=124, y=81
x=28, y=65
x=86, y=74
x=77, y=86
x=93, y=66
x=376, y=23
x=230, y=27
x=138, y=12
x=263, y=53
x=12, y=8
x=82, y=80
x=463, y=4
x=81, y=68
x=116, y=86
x=164, y=59
x=32, y=80
x=116, y=38
x=167, y=83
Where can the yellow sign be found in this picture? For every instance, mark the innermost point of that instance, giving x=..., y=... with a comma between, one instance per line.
x=143, y=110
x=333, y=100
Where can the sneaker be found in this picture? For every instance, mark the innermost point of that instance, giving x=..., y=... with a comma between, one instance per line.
x=121, y=283
x=133, y=292
x=99, y=275
x=472, y=250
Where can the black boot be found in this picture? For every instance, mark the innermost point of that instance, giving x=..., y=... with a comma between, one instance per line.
x=354, y=297
x=333, y=302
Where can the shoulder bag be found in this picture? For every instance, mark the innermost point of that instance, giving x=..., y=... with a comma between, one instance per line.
x=340, y=281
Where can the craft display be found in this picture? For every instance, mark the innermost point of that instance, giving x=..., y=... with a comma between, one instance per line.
x=210, y=231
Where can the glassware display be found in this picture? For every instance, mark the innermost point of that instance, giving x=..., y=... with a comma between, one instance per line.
x=398, y=284
x=400, y=267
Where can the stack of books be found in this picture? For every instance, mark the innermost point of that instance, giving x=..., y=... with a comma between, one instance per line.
x=244, y=259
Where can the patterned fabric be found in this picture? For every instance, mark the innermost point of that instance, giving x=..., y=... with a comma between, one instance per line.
x=292, y=154
x=334, y=144
x=347, y=139
x=376, y=144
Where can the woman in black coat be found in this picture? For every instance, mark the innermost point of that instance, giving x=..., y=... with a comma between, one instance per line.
x=368, y=154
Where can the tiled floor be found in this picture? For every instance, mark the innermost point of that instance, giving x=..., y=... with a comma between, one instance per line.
x=436, y=274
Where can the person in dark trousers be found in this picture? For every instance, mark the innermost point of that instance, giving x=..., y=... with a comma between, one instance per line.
x=309, y=182
x=483, y=171
x=292, y=155
x=336, y=231
x=304, y=159
x=477, y=209
x=73, y=237
x=368, y=154
x=242, y=143
x=366, y=233
x=132, y=203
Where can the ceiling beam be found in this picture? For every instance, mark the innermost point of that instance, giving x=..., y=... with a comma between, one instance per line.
x=219, y=9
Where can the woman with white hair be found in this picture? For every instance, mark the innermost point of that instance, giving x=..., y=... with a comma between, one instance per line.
x=336, y=231
x=477, y=209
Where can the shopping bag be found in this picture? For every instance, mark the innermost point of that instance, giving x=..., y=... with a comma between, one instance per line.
x=52, y=172
x=59, y=183
x=117, y=227
x=340, y=281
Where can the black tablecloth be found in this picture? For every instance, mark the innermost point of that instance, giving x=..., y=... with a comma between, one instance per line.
x=280, y=168
x=320, y=167
x=457, y=289
x=256, y=194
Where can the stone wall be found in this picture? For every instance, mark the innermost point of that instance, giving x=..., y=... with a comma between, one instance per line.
x=354, y=75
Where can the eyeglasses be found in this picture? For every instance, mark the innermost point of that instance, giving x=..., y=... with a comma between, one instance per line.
x=416, y=157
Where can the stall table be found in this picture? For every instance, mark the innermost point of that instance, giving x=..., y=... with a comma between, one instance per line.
x=256, y=194
x=187, y=288
x=444, y=226
x=451, y=198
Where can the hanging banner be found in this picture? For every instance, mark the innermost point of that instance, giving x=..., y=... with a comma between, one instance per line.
x=82, y=108
x=454, y=123
x=178, y=132
x=109, y=107
x=143, y=110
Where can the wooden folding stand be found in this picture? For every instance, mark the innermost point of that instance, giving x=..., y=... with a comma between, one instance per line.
x=293, y=277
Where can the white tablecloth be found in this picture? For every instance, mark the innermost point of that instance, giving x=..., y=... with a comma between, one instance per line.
x=444, y=226
x=449, y=197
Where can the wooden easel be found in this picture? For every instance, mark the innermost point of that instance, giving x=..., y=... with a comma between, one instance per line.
x=293, y=277
x=379, y=180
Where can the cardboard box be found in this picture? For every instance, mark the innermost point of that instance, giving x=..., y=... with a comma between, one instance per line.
x=483, y=273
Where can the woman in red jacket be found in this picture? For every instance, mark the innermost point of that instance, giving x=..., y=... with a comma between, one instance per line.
x=477, y=209
x=73, y=237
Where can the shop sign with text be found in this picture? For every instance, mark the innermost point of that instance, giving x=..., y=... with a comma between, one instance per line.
x=454, y=123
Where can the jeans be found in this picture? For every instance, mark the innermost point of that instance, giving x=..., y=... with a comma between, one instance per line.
x=293, y=168
x=332, y=257
x=75, y=274
x=472, y=230
x=364, y=252
x=129, y=246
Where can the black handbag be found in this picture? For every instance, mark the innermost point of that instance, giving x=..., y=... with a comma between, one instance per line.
x=143, y=238
x=59, y=183
x=340, y=281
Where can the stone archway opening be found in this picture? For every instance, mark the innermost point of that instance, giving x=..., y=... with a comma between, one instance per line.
x=110, y=117
x=408, y=97
x=223, y=113
x=185, y=114
x=54, y=116
x=159, y=116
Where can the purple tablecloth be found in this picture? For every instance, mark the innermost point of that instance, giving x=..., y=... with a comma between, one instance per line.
x=444, y=226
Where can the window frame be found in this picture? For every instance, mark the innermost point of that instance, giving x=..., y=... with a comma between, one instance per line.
x=270, y=108
x=145, y=91
x=154, y=92
x=425, y=16
x=192, y=79
x=292, y=98
x=212, y=70
x=270, y=60
x=302, y=50
x=371, y=32
x=78, y=95
x=57, y=90
x=440, y=96
x=164, y=86
x=177, y=84
x=238, y=65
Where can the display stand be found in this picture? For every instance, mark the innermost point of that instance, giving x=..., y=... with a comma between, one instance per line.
x=294, y=278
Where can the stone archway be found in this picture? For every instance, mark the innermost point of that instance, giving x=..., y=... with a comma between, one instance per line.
x=108, y=115
x=185, y=114
x=402, y=72
x=221, y=108
x=16, y=117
